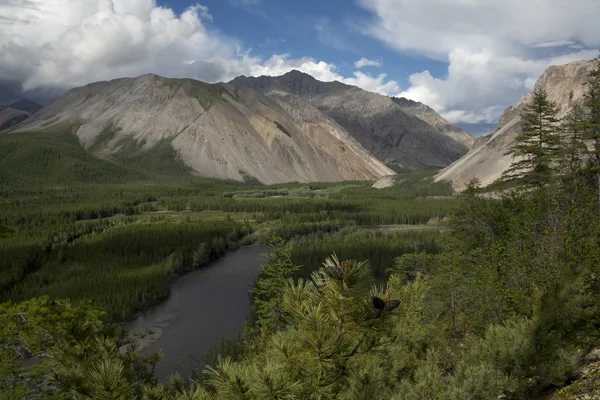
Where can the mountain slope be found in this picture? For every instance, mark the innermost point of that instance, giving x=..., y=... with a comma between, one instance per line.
x=10, y=117
x=16, y=113
x=565, y=85
x=428, y=114
x=218, y=130
x=38, y=159
x=377, y=122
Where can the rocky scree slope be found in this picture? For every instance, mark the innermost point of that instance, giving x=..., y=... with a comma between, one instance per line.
x=565, y=85
x=218, y=130
x=398, y=133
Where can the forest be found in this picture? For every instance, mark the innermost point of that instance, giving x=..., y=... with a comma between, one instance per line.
x=409, y=292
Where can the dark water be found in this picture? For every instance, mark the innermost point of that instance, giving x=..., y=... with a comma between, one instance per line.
x=204, y=307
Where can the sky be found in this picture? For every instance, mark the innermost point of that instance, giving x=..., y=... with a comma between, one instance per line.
x=468, y=59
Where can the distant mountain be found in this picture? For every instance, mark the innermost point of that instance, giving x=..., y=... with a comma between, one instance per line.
x=215, y=130
x=10, y=117
x=26, y=105
x=565, y=85
x=16, y=113
x=397, y=132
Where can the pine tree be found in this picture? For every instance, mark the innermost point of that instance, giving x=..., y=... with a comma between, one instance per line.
x=537, y=146
x=573, y=152
x=273, y=276
x=592, y=124
x=341, y=338
x=4, y=231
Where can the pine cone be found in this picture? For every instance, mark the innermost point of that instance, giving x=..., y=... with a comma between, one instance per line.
x=334, y=273
x=378, y=303
x=388, y=305
x=391, y=304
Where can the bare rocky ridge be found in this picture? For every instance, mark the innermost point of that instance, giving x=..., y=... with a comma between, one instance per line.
x=382, y=126
x=218, y=130
x=565, y=85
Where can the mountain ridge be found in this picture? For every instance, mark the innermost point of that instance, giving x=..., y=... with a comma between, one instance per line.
x=383, y=127
x=218, y=130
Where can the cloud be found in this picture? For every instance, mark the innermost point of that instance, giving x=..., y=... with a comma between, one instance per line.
x=62, y=43
x=559, y=43
x=495, y=50
x=327, y=72
x=53, y=45
x=377, y=84
x=365, y=62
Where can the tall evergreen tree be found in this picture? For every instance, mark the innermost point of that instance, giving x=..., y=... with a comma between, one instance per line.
x=592, y=125
x=273, y=277
x=573, y=152
x=537, y=146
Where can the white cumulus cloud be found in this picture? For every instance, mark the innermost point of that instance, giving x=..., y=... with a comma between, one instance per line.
x=365, y=62
x=63, y=43
x=495, y=49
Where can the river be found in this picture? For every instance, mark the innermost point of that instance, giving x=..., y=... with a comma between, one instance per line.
x=204, y=307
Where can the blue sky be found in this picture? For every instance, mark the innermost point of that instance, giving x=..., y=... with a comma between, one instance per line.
x=323, y=29
x=468, y=59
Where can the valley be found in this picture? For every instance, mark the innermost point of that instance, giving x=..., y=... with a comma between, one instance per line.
x=133, y=214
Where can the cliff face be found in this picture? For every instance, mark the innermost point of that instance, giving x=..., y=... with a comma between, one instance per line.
x=565, y=85
x=218, y=130
x=396, y=133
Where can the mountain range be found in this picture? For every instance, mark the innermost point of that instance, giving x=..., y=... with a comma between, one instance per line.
x=281, y=129
x=274, y=129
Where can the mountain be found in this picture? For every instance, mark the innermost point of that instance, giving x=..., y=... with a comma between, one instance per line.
x=28, y=106
x=397, y=134
x=10, y=117
x=565, y=85
x=428, y=114
x=16, y=113
x=216, y=130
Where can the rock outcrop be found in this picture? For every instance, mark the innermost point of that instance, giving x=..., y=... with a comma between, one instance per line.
x=565, y=85
x=218, y=130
